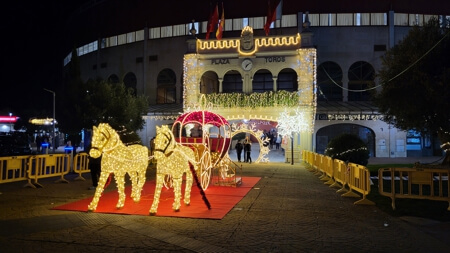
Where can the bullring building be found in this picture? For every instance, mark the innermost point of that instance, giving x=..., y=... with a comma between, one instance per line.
x=316, y=61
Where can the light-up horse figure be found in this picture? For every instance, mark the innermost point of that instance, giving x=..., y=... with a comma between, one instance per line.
x=118, y=159
x=172, y=159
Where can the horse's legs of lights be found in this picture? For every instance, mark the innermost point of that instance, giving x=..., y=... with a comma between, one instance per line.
x=120, y=181
x=99, y=190
x=177, y=193
x=133, y=177
x=157, y=194
x=187, y=190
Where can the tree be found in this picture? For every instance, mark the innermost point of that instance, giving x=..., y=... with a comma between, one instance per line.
x=415, y=80
x=348, y=148
x=85, y=104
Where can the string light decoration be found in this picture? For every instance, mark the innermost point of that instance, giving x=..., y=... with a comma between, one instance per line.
x=251, y=129
x=172, y=159
x=300, y=121
x=260, y=43
x=119, y=160
x=209, y=150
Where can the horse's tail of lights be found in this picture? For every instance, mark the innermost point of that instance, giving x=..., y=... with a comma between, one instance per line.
x=108, y=181
x=194, y=174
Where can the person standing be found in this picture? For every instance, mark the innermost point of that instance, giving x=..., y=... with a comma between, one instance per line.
x=248, y=151
x=95, y=168
x=278, y=142
x=239, y=148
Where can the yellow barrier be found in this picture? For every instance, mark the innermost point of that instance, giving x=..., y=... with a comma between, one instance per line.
x=415, y=183
x=13, y=168
x=336, y=172
x=359, y=181
x=340, y=175
x=44, y=166
x=81, y=165
x=328, y=169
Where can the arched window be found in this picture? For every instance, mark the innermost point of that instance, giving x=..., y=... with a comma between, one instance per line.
x=209, y=83
x=130, y=82
x=232, y=82
x=361, y=76
x=326, y=134
x=262, y=81
x=113, y=79
x=287, y=80
x=329, y=82
x=166, y=93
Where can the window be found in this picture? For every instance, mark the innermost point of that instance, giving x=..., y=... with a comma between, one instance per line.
x=209, y=83
x=361, y=76
x=166, y=92
x=130, y=82
x=287, y=80
x=113, y=79
x=262, y=81
x=329, y=82
x=232, y=82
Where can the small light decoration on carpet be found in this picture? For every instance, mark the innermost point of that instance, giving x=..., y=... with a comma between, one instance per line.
x=119, y=160
x=172, y=159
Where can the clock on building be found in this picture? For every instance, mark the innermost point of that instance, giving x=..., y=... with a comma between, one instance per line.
x=247, y=64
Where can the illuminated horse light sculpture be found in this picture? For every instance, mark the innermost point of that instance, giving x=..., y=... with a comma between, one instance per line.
x=172, y=159
x=120, y=160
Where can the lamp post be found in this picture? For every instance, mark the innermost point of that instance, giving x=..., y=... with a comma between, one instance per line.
x=54, y=122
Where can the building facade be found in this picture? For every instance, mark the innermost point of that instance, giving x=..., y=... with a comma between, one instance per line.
x=348, y=42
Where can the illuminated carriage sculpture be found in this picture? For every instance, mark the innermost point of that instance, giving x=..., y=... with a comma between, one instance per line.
x=209, y=135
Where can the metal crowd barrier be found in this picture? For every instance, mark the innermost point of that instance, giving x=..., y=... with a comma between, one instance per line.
x=33, y=168
x=81, y=165
x=334, y=172
x=414, y=183
x=13, y=168
x=45, y=166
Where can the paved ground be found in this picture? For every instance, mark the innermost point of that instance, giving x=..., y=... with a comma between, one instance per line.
x=289, y=210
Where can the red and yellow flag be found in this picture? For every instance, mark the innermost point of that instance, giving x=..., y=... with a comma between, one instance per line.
x=219, y=31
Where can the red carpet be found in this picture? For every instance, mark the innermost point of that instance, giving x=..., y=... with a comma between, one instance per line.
x=221, y=198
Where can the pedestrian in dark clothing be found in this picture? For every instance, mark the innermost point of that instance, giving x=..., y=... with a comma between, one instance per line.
x=95, y=168
x=248, y=151
x=239, y=148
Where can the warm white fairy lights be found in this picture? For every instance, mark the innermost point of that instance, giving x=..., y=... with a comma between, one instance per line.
x=172, y=159
x=299, y=121
x=119, y=160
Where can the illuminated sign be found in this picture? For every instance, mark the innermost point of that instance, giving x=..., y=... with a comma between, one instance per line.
x=47, y=121
x=8, y=119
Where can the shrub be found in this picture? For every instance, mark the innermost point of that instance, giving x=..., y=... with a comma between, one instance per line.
x=348, y=148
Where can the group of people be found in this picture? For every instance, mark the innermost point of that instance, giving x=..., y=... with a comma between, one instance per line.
x=271, y=138
x=247, y=147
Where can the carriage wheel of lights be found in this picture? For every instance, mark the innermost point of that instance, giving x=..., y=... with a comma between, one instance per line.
x=251, y=129
x=215, y=137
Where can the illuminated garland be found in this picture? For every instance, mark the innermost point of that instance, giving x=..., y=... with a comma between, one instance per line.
x=347, y=151
x=353, y=117
x=253, y=100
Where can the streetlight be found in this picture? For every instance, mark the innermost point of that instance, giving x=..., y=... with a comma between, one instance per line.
x=54, y=98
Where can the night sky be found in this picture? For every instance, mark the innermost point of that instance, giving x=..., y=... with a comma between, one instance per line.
x=31, y=53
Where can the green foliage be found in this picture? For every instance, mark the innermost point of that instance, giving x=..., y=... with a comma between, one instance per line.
x=415, y=80
x=83, y=105
x=265, y=99
x=348, y=148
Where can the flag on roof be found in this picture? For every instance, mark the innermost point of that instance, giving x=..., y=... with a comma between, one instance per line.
x=273, y=13
x=219, y=31
x=212, y=21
